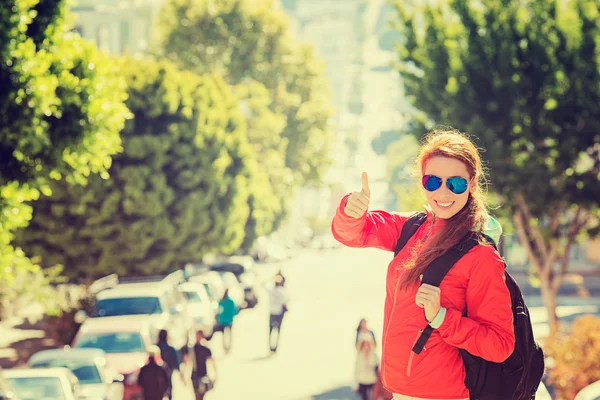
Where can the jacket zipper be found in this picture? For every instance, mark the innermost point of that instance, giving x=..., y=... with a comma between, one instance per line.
x=390, y=321
x=412, y=353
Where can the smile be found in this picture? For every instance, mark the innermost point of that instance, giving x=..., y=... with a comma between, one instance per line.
x=444, y=205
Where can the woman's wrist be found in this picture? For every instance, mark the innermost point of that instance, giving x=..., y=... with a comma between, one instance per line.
x=439, y=318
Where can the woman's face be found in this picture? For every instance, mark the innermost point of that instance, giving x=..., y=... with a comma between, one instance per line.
x=362, y=324
x=443, y=201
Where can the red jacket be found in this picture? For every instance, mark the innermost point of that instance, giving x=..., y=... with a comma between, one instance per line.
x=476, y=283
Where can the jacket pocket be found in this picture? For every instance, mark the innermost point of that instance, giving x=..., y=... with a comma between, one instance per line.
x=413, y=354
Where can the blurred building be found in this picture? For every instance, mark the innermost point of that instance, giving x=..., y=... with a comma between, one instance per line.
x=119, y=27
x=366, y=91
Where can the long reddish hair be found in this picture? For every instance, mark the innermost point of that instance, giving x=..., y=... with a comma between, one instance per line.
x=452, y=144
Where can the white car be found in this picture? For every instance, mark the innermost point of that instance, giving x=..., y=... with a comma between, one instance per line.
x=200, y=307
x=213, y=284
x=44, y=384
x=235, y=289
x=97, y=380
x=161, y=302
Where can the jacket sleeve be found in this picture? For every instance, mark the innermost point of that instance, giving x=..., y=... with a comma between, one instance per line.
x=377, y=228
x=487, y=331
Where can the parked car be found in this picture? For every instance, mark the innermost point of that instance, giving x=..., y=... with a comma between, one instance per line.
x=236, y=291
x=97, y=379
x=156, y=297
x=125, y=341
x=44, y=384
x=243, y=269
x=214, y=286
x=590, y=392
x=6, y=390
x=201, y=308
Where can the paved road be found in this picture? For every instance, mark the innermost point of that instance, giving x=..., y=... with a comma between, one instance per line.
x=330, y=291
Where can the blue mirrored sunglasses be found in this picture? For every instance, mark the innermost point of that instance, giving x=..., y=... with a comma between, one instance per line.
x=456, y=184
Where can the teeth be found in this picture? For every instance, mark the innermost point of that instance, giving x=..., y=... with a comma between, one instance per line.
x=445, y=204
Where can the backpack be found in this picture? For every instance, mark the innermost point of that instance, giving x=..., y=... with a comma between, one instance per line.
x=519, y=376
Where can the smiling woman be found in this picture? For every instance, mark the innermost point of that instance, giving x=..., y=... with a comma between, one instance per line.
x=470, y=309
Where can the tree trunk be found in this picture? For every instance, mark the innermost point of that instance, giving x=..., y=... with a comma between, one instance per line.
x=549, y=297
x=543, y=250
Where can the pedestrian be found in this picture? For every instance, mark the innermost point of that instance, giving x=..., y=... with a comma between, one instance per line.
x=278, y=306
x=364, y=333
x=227, y=312
x=182, y=387
x=171, y=358
x=471, y=309
x=204, y=381
x=153, y=378
x=279, y=276
x=366, y=369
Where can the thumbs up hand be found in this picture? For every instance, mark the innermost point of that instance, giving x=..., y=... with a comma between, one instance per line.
x=358, y=202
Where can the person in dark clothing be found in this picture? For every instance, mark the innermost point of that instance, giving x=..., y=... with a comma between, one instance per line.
x=153, y=378
x=203, y=355
x=170, y=357
x=278, y=306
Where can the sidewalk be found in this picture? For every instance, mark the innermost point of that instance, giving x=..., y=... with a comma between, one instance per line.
x=568, y=310
x=21, y=336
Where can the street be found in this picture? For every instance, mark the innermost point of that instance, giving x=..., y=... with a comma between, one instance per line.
x=330, y=291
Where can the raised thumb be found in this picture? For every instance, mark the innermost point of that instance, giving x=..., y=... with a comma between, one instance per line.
x=365, y=185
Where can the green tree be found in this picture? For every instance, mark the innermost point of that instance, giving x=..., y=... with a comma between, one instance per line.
x=178, y=190
x=524, y=78
x=271, y=178
x=61, y=110
x=249, y=42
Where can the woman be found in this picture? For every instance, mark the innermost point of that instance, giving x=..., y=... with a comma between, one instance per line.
x=227, y=312
x=366, y=368
x=470, y=310
x=364, y=333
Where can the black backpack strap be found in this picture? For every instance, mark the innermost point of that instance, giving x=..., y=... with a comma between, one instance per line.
x=408, y=229
x=436, y=272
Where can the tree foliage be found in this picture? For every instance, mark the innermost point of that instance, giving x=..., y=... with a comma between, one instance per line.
x=524, y=78
x=61, y=110
x=249, y=43
x=179, y=190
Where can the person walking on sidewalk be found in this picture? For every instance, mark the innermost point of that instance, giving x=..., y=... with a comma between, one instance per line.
x=366, y=369
x=170, y=357
x=204, y=381
x=471, y=309
x=278, y=305
x=227, y=313
x=364, y=333
x=153, y=378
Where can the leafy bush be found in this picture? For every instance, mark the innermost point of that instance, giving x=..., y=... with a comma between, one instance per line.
x=576, y=357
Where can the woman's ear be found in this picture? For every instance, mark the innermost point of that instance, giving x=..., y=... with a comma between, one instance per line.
x=473, y=185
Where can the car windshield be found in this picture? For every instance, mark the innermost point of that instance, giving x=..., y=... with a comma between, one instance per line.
x=85, y=371
x=125, y=342
x=209, y=290
x=192, y=297
x=38, y=388
x=128, y=306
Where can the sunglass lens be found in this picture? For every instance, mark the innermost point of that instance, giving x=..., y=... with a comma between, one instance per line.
x=431, y=182
x=457, y=185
